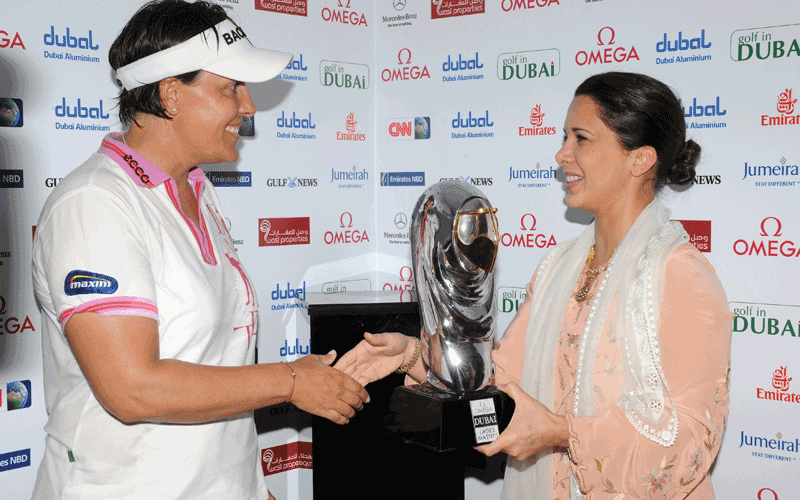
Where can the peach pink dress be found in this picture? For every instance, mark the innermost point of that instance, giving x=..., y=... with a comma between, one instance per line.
x=607, y=455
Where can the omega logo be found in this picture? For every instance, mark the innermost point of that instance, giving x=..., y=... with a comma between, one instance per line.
x=400, y=56
x=764, y=224
x=600, y=36
x=341, y=220
x=532, y=220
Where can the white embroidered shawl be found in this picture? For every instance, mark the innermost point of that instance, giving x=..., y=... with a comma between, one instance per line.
x=634, y=281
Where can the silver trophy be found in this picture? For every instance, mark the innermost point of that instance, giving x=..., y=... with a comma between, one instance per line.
x=454, y=243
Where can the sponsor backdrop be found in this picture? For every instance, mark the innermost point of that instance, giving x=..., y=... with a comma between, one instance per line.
x=387, y=97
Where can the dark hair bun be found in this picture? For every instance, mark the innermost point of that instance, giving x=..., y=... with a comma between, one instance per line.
x=683, y=170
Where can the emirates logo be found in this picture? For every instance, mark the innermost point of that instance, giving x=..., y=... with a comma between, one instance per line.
x=786, y=103
x=779, y=379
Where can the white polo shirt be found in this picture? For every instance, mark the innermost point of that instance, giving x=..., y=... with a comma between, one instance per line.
x=112, y=239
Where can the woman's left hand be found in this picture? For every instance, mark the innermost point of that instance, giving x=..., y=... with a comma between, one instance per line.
x=532, y=429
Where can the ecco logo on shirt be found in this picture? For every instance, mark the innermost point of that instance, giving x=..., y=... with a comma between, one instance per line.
x=80, y=282
x=139, y=171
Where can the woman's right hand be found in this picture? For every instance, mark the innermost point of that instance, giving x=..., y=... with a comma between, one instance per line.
x=377, y=356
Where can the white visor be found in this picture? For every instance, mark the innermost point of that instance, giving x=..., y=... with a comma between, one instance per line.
x=233, y=56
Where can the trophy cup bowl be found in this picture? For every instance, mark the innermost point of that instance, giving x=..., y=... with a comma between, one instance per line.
x=454, y=243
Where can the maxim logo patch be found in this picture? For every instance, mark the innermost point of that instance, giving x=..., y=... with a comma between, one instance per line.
x=80, y=282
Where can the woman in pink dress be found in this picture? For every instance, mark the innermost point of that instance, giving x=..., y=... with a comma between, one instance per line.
x=618, y=359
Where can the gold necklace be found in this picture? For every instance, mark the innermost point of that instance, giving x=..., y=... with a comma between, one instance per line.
x=591, y=274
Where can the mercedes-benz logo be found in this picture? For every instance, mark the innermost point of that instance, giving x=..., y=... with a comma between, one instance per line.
x=399, y=4
x=400, y=220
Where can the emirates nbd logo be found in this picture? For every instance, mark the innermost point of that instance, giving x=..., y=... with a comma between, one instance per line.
x=80, y=282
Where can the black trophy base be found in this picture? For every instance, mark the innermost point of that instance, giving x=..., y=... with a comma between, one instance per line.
x=440, y=421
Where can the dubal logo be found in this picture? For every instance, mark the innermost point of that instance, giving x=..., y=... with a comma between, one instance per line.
x=528, y=65
x=509, y=5
x=786, y=109
x=344, y=75
x=289, y=293
x=295, y=71
x=526, y=236
x=296, y=123
x=405, y=284
x=407, y=69
x=343, y=14
x=13, y=324
x=509, y=299
x=345, y=233
x=407, y=129
x=353, y=178
x=294, y=350
x=10, y=43
x=350, y=127
x=536, y=174
x=69, y=40
x=536, y=120
x=83, y=111
x=780, y=382
x=781, y=173
x=681, y=45
x=452, y=8
x=475, y=181
x=766, y=320
x=704, y=110
x=461, y=64
x=767, y=43
x=772, y=242
x=480, y=120
x=609, y=52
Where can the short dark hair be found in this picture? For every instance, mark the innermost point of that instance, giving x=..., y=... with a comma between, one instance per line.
x=156, y=26
x=643, y=111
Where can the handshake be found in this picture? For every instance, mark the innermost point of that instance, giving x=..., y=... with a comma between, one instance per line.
x=337, y=392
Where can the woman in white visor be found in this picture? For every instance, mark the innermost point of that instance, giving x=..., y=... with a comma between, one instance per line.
x=149, y=317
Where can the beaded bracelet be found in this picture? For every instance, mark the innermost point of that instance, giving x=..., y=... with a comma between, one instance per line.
x=407, y=366
x=294, y=379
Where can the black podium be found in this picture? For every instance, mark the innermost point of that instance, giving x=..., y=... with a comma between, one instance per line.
x=360, y=460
